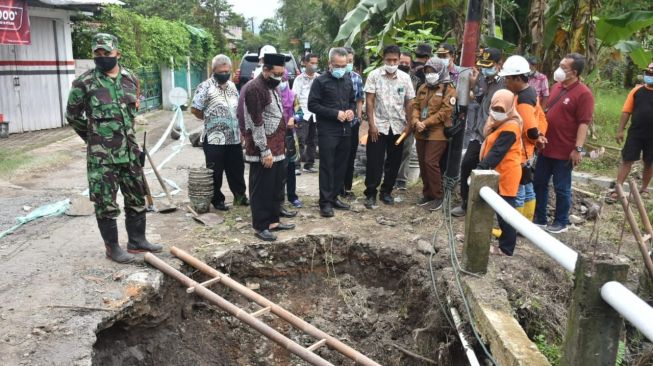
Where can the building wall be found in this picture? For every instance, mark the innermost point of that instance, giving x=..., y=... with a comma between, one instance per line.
x=35, y=79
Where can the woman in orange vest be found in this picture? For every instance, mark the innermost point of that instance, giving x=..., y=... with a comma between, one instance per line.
x=502, y=151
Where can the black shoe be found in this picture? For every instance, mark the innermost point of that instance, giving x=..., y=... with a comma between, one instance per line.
x=458, y=212
x=286, y=213
x=241, y=200
x=135, y=223
x=424, y=201
x=109, y=231
x=265, y=235
x=370, y=203
x=326, y=211
x=435, y=205
x=348, y=195
x=281, y=226
x=387, y=198
x=221, y=206
x=339, y=205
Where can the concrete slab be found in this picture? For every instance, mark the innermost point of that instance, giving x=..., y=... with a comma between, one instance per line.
x=508, y=342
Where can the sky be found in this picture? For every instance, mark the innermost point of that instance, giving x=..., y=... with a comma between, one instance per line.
x=259, y=9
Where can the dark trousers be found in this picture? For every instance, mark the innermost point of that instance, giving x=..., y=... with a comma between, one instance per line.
x=266, y=193
x=508, y=238
x=334, y=155
x=353, y=148
x=560, y=170
x=291, y=181
x=428, y=155
x=470, y=162
x=307, y=135
x=377, y=152
x=227, y=159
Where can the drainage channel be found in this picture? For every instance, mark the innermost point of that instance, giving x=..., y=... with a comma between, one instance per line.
x=378, y=300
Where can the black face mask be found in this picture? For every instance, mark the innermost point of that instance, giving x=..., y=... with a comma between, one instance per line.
x=272, y=83
x=221, y=77
x=105, y=63
x=404, y=68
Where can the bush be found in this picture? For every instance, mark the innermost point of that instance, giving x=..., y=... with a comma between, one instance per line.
x=146, y=41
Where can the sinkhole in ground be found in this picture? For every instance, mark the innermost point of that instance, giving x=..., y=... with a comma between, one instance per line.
x=373, y=298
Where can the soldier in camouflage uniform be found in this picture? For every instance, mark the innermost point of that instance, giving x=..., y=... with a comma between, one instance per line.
x=101, y=108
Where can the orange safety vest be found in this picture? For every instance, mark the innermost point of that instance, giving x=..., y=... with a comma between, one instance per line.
x=532, y=117
x=509, y=168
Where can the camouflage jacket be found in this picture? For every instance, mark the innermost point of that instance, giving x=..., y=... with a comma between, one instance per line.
x=101, y=111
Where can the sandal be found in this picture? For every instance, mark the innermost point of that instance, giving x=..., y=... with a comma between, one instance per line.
x=612, y=197
x=644, y=194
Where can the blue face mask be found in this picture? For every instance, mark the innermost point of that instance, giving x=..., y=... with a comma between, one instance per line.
x=489, y=72
x=648, y=80
x=350, y=67
x=303, y=70
x=338, y=73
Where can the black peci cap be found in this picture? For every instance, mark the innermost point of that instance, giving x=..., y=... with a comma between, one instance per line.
x=274, y=59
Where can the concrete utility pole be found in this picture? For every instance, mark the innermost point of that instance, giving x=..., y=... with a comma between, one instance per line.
x=468, y=60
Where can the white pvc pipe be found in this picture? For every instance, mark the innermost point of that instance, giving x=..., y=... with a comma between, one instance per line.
x=469, y=352
x=561, y=253
x=631, y=307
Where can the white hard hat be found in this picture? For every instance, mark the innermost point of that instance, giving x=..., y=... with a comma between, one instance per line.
x=266, y=49
x=515, y=65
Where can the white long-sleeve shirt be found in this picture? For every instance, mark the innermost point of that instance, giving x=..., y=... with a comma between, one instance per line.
x=302, y=87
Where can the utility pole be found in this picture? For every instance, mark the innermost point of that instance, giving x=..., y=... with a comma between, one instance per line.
x=252, y=23
x=491, y=19
x=468, y=60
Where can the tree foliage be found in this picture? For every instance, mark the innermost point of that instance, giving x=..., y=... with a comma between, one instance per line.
x=146, y=41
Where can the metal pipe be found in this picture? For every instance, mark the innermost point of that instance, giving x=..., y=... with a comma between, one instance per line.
x=239, y=313
x=631, y=307
x=561, y=253
x=295, y=321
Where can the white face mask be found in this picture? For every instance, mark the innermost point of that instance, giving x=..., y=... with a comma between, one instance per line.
x=559, y=75
x=432, y=78
x=391, y=69
x=498, y=116
x=445, y=61
x=283, y=85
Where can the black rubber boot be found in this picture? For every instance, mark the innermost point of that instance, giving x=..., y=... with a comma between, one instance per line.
x=109, y=232
x=135, y=225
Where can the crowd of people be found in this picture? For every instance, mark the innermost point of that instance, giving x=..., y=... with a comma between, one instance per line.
x=515, y=124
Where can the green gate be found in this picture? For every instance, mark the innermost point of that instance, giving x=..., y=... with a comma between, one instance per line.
x=197, y=75
x=150, y=79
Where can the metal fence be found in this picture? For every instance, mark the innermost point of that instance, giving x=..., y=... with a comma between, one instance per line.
x=150, y=78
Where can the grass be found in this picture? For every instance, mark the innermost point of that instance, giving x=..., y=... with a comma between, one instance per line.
x=10, y=161
x=607, y=111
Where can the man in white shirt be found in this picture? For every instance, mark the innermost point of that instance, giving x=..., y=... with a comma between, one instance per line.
x=306, y=129
x=389, y=92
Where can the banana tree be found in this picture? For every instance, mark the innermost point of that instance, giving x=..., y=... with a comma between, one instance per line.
x=357, y=19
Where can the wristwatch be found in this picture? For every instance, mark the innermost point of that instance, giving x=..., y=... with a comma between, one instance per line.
x=579, y=148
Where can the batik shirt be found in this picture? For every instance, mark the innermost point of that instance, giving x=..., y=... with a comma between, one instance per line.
x=219, y=105
x=391, y=94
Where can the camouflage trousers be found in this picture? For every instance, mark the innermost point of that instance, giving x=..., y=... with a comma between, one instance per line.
x=104, y=180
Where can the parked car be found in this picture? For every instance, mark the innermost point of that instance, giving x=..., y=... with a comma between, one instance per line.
x=249, y=62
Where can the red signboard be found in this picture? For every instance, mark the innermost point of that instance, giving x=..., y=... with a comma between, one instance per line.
x=14, y=22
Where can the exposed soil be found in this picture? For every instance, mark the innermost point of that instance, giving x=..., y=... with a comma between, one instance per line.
x=370, y=298
x=58, y=292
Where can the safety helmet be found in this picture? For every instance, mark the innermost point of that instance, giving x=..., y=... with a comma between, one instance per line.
x=515, y=65
x=266, y=49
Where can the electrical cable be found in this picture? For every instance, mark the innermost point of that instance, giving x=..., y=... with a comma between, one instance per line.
x=449, y=184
